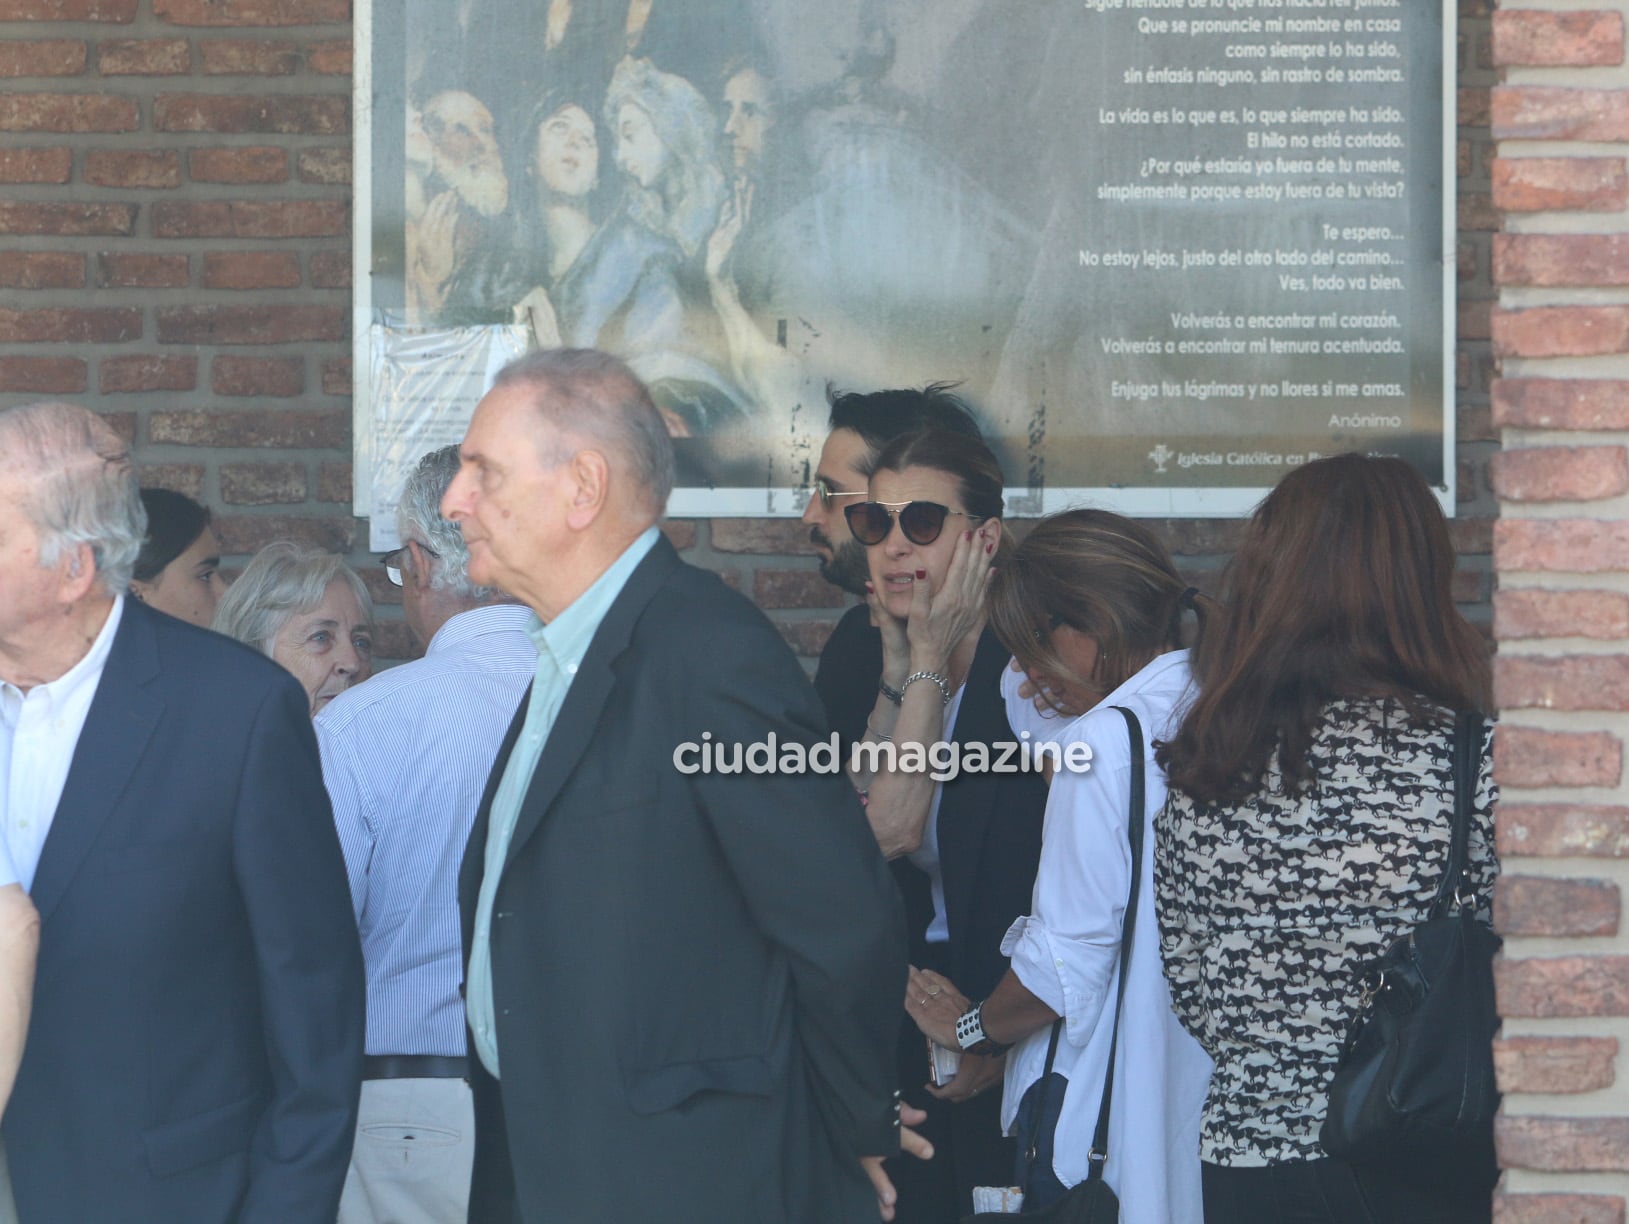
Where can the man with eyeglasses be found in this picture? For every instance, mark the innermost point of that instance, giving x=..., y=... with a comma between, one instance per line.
x=405, y=758
x=862, y=423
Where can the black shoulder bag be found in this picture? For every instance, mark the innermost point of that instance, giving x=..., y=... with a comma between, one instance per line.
x=1091, y=1201
x=1415, y=1090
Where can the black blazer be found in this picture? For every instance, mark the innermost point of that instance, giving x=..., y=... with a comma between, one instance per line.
x=989, y=824
x=695, y=976
x=196, y=1045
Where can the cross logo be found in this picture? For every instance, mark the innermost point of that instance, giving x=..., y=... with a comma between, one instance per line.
x=1161, y=455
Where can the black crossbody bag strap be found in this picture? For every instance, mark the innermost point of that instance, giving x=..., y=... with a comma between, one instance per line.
x=1467, y=755
x=1137, y=815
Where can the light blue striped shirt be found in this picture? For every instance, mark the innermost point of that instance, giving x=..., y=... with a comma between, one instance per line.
x=406, y=758
x=561, y=645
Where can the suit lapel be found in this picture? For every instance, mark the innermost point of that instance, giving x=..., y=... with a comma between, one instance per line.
x=573, y=728
x=122, y=718
x=966, y=804
x=473, y=865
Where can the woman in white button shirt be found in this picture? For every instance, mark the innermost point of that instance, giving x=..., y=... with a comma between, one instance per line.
x=1091, y=606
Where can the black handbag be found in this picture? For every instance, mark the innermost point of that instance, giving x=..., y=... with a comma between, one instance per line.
x=1091, y=1201
x=1415, y=1089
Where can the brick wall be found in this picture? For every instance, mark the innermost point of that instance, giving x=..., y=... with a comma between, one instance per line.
x=175, y=216
x=1561, y=549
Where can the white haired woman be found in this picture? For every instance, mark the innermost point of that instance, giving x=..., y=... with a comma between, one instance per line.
x=308, y=611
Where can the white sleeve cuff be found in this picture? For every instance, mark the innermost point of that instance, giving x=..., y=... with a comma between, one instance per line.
x=1070, y=977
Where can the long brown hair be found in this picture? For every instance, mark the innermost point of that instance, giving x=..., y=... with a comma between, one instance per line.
x=1104, y=575
x=1341, y=588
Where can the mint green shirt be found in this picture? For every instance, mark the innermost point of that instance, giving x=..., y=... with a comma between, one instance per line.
x=561, y=645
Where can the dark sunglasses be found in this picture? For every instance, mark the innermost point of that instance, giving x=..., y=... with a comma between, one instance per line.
x=921, y=521
x=828, y=494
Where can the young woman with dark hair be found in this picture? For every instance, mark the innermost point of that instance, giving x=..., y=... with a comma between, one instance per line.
x=1308, y=828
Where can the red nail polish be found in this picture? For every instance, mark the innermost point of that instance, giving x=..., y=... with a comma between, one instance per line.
x=968, y=536
x=989, y=548
x=869, y=589
x=921, y=573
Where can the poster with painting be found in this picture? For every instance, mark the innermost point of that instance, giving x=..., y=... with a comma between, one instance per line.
x=1166, y=249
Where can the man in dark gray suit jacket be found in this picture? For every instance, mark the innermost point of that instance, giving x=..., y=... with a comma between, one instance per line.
x=682, y=984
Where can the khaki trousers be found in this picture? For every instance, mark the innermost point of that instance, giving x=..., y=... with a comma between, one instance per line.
x=415, y=1145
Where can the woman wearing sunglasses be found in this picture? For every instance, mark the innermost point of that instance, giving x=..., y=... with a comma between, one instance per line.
x=965, y=848
x=1092, y=607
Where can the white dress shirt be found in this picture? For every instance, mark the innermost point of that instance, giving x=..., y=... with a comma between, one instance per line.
x=1067, y=950
x=39, y=731
x=925, y=858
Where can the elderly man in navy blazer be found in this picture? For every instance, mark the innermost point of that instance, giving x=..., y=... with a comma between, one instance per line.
x=196, y=1044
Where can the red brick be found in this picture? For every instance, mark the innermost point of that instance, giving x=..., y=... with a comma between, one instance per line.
x=267, y=427
x=1468, y=586
x=127, y=270
x=1576, y=39
x=681, y=533
x=55, y=57
x=765, y=536
x=251, y=270
x=36, y=165
x=1561, y=331
x=1462, y=158
x=331, y=270
x=1561, y=259
x=1542, y=906
x=252, y=12
x=249, y=57
x=124, y=423
x=144, y=57
x=1529, y=757
x=330, y=167
x=67, y=220
x=96, y=326
x=1562, y=682
x=1563, y=1144
x=336, y=376
x=334, y=481
x=147, y=372
x=1475, y=212
x=1562, y=830
x=42, y=375
x=1475, y=319
x=1561, y=403
x=794, y=588
x=1560, y=473
x=185, y=478
x=41, y=270
x=269, y=376
x=144, y=168
x=1538, y=184
x=248, y=533
x=806, y=638
x=1538, y=987
x=263, y=484
x=380, y=588
x=1545, y=112
x=1472, y=107
x=1521, y=614
x=1468, y=534
x=1557, y=1209
x=1474, y=423
x=253, y=164
x=1465, y=260
x=331, y=58
x=394, y=640
x=1581, y=546
x=1554, y=1064
x=123, y=11
x=250, y=219
x=39, y=112
x=250, y=324
x=284, y=114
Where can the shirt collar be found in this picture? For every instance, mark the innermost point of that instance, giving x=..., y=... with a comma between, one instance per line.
x=567, y=637
x=87, y=670
x=471, y=624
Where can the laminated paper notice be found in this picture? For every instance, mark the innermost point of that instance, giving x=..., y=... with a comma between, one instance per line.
x=426, y=382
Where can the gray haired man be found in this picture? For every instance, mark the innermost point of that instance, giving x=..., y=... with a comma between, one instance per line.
x=405, y=757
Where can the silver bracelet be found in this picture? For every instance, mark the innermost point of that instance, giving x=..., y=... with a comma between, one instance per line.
x=877, y=733
x=889, y=691
x=941, y=681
